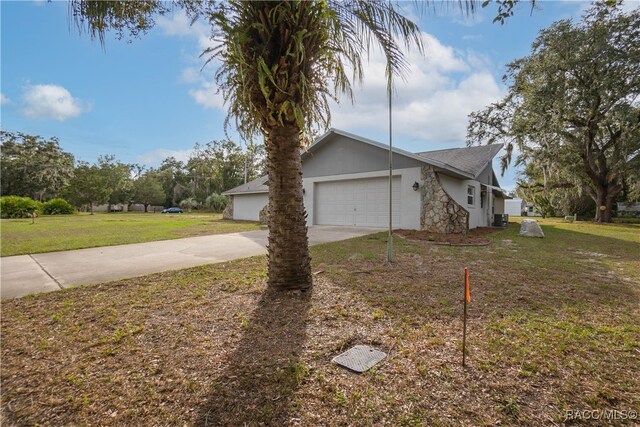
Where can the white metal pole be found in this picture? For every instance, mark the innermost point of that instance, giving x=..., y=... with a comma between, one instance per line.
x=389, y=93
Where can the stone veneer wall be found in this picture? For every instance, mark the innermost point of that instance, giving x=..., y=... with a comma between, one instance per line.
x=227, y=213
x=439, y=212
x=263, y=215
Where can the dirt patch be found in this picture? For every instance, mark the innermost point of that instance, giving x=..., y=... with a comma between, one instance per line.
x=475, y=237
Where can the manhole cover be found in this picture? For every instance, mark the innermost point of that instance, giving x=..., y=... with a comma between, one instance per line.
x=359, y=358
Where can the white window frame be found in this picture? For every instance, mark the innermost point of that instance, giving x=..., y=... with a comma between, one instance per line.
x=471, y=195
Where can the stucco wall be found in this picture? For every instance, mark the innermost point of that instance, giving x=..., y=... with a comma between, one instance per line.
x=248, y=206
x=486, y=176
x=342, y=155
x=498, y=205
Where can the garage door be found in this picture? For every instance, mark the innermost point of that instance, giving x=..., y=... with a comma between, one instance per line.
x=358, y=202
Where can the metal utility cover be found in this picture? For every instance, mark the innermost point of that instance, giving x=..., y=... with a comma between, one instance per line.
x=360, y=358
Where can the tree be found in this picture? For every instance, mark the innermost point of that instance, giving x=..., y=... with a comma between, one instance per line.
x=255, y=161
x=215, y=167
x=32, y=166
x=118, y=179
x=89, y=186
x=219, y=166
x=148, y=191
x=278, y=59
x=559, y=196
x=175, y=180
x=572, y=108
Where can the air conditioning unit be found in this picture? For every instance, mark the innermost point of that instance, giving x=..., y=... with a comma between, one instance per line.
x=500, y=220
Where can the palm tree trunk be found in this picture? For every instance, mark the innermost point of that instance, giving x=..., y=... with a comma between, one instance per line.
x=289, y=260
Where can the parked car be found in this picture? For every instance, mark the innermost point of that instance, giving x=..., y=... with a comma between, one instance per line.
x=172, y=210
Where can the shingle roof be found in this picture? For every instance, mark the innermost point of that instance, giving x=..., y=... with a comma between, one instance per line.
x=467, y=162
x=472, y=160
x=258, y=185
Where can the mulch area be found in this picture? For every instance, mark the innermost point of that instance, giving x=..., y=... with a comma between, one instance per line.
x=475, y=237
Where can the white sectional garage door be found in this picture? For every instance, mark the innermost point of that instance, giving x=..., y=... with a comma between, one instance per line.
x=357, y=202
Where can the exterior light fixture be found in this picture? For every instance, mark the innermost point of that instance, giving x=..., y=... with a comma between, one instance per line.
x=415, y=186
x=303, y=191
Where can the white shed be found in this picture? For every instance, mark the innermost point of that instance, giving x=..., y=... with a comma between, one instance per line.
x=514, y=207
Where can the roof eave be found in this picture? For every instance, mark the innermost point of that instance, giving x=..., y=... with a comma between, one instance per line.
x=235, y=193
x=399, y=151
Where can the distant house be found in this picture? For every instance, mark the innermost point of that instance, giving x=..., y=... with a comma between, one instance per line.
x=346, y=182
x=631, y=209
x=531, y=210
x=120, y=207
x=123, y=207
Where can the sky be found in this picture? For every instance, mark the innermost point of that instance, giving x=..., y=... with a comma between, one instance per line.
x=151, y=98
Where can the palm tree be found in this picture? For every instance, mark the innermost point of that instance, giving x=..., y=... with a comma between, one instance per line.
x=281, y=62
x=278, y=62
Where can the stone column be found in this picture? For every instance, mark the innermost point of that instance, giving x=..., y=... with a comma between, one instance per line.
x=439, y=212
x=227, y=213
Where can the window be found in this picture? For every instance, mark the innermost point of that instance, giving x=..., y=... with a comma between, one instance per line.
x=471, y=195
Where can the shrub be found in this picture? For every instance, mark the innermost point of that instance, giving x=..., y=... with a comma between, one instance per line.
x=57, y=207
x=18, y=207
x=190, y=203
x=217, y=202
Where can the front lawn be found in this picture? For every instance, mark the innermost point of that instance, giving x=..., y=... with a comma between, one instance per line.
x=64, y=232
x=554, y=326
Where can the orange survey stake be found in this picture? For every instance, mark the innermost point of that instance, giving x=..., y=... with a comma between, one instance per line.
x=467, y=286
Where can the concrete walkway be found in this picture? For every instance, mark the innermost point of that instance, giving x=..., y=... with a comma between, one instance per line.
x=25, y=274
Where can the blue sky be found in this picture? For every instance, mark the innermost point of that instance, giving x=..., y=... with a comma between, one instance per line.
x=148, y=99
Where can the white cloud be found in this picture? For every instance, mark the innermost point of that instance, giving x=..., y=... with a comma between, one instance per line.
x=180, y=25
x=440, y=57
x=441, y=89
x=51, y=102
x=4, y=100
x=156, y=157
x=207, y=95
x=177, y=25
x=205, y=90
x=433, y=104
x=190, y=75
x=468, y=20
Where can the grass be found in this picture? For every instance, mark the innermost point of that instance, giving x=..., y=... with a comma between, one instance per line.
x=65, y=232
x=554, y=325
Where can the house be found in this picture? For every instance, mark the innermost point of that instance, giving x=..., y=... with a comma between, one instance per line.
x=531, y=210
x=123, y=207
x=346, y=182
x=629, y=209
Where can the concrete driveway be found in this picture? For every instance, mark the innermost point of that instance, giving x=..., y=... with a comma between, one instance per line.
x=25, y=274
